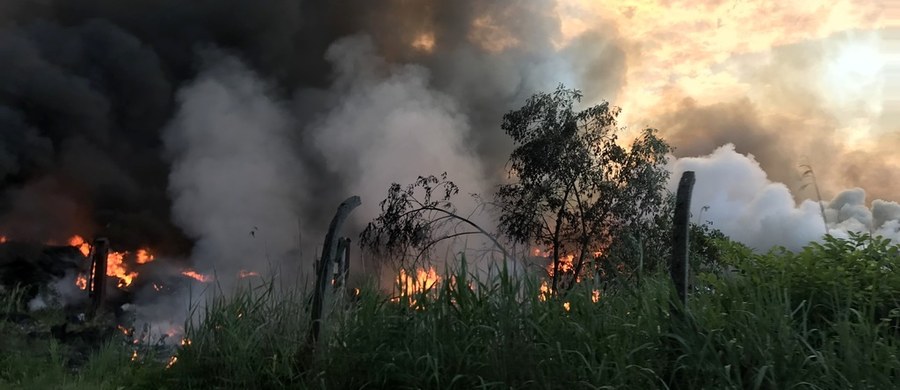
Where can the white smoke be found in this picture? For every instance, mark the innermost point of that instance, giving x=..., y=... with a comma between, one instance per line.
x=234, y=182
x=389, y=126
x=734, y=193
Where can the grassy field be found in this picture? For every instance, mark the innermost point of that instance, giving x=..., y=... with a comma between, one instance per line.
x=824, y=318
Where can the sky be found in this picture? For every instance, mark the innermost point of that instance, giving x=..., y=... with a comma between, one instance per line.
x=790, y=82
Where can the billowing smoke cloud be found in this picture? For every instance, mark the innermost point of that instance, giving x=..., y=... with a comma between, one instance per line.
x=89, y=86
x=734, y=193
x=110, y=124
x=235, y=183
x=389, y=126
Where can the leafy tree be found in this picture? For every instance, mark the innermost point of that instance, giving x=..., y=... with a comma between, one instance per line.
x=418, y=216
x=573, y=187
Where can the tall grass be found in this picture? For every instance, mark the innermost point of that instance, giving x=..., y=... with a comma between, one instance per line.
x=756, y=330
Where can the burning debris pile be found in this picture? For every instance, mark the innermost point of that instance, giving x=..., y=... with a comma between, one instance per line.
x=95, y=287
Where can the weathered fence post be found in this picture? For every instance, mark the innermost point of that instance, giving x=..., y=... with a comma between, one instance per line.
x=679, y=266
x=323, y=270
x=97, y=282
x=343, y=263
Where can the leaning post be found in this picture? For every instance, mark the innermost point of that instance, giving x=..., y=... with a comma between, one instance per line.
x=323, y=269
x=97, y=285
x=679, y=267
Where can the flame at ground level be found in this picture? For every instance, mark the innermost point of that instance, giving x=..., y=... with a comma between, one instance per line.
x=411, y=285
x=197, y=276
x=115, y=263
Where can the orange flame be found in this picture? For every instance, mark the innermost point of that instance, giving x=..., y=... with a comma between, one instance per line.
x=134, y=355
x=567, y=306
x=172, y=361
x=81, y=282
x=143, y=256
x=115, y=263
x=544, y=291
x=82, y=245
x=115, y=267
x=595, y=296
x=423, y=281
x=2, y=239
x=197, y=276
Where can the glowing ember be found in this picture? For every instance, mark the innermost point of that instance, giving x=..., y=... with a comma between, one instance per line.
x=82, y=245
x=246, y=274
x=143, y=256
x=157, y=287
x=544, y=291
x=197, y=276
x=81, y=282
x=172, y=361
x=134, y=355
x=185, y=342
x=595, y=296
x=2, y=239
x=567, y=306
x=423, y=281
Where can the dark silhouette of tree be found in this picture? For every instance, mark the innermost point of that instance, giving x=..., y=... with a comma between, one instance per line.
x=418, y=216
x=573, y=187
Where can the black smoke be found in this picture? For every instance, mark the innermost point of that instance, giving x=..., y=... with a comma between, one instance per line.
x=87, y=88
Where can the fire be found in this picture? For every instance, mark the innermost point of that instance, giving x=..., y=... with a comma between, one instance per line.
x=566, y=265
x=115, y=263
x=157, y=287
x=424, y=42
x=82, y=245
x=197, y=276
x=185, y=342
x=81, y=282
x=423, y=281
x=567, y=306
x=134, y=355
x=595, y=296
x=2, y=239
x=143, y=256
x=544, y=291
x=125, y=331
x=115, y=266
x=247, y=274
x=172, y=361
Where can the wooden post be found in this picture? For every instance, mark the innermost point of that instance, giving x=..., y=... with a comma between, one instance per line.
x=97, y=284
x=323, y=270
x=343, y=263
x=679, y=265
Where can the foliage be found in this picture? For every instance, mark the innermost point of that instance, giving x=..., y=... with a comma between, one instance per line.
x=754, y=331
x=575, y=189
x=416, y=218
x=860, y=271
